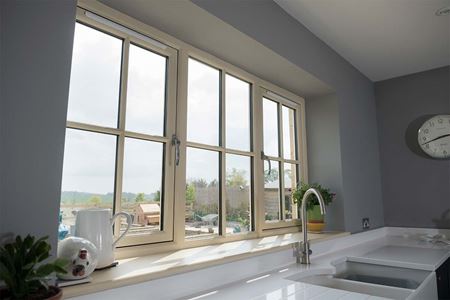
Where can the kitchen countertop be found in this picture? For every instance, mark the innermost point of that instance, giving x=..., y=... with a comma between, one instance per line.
x=391, y=250
x=275, y=286
x=388, y=246
x=412, y=257
x=140, y=269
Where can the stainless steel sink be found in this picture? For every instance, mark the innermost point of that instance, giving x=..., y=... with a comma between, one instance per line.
x=381, y=280
x=380, y=274
x=354, y=286
x=371, y=279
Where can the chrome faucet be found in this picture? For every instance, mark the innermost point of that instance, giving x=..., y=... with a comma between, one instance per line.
x=301, y=249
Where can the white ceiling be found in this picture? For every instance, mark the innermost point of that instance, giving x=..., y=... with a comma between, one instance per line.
x=381, y=38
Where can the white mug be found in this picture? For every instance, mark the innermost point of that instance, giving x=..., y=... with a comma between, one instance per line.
x=95, y=225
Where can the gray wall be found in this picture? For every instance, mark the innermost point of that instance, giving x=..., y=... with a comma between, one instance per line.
x=324, y=153
x=266, y=22
x=2, y=136
x=416, y=188
x=36, y=39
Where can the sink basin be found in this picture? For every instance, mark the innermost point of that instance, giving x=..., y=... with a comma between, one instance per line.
x=395, y=282
x=355, y=286
x=371, y=279
x=380, y=274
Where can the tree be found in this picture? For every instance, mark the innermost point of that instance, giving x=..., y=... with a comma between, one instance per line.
x=199, y=183
x=236, y=178
x=273, y=176
x=157, y=196
x=95, y=200
x=213, y=183
x=190, y=193
x=139, y=198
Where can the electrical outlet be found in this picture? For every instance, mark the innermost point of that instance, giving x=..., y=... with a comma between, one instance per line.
x=365, y=223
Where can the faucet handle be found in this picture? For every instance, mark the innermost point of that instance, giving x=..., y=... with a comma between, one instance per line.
x=304, y=248
x=309, y=252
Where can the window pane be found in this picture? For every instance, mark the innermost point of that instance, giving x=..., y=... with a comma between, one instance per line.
x=142, y=181
x=289, y=133
x=88, y=172
x=202, y=192
x=146, y=91
x=270, y=119
x=237, y=102
x=95, y=77
x=272, y=191
x=203, y=103
x=290, y=182
x=238, y=206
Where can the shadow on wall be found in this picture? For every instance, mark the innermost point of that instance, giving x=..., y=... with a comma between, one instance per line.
x=444, y=220
x=411, y=136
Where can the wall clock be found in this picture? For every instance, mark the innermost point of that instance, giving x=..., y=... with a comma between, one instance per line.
x=434, y=136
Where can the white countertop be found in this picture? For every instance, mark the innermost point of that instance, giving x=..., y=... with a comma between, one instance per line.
x=145, y=268
x=397, y=251
x=276, y=287
x=390, y=246
x=413, y=257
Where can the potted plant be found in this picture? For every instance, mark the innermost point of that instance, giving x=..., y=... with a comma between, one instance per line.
x=316, y=221
x=23, y=272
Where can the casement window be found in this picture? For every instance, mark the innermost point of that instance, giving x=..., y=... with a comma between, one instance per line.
x=282, y=163
x=120, y=121
x=219, y=176
x=193, y=148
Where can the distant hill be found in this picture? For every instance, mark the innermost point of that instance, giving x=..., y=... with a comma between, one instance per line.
x=74, y=197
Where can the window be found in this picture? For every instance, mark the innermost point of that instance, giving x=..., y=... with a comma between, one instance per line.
x=119, y=130
x=218, y=159
x=96, y=71
x=196, y=150
x=202, y=192
x=281, y=167
x=88, y=175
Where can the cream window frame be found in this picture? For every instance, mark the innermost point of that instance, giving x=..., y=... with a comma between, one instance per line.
x=181, y=51
x=280, y=160
x=221, y=148
x=166, y=232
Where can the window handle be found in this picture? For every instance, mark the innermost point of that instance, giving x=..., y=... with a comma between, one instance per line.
x=176, y=142
x=265, y=157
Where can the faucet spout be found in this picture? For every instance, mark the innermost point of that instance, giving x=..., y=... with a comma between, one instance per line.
x=305, y=252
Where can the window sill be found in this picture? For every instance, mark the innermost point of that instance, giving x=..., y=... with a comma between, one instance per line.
x=140, y=269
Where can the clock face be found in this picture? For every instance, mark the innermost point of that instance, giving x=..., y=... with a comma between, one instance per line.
x=434, y=136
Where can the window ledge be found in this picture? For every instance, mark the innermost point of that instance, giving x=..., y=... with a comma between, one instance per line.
x=140, y=269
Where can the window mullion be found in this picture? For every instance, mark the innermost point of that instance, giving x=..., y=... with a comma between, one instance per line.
x=180, y=170
x=92, y=128
x=301, y=143
x=258, y=171
x=295, y=205
x=222, y=169
x=281, y=163
x=121, y=137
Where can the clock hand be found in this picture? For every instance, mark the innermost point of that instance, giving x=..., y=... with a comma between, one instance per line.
x=439, y=137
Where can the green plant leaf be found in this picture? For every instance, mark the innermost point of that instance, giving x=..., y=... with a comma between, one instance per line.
x=6, y=276
x=28, y=242
x=45, y=270
x=42, y=251
x=60, y=265
x=19, y=266
x=298, y=193
x=7, y=259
